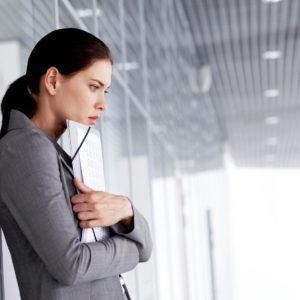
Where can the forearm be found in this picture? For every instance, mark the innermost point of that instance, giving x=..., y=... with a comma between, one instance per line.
x=91, y=261
x=139, y=233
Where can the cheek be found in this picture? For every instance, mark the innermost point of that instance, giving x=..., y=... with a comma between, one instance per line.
x=66, y=103
x=72, y=94
x=75, y=100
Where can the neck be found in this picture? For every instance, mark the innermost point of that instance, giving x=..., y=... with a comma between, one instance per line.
x=47, y=122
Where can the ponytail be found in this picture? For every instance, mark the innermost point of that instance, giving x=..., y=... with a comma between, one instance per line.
x=16, y=97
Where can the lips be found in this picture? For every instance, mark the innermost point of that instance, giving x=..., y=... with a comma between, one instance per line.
x=93, y=120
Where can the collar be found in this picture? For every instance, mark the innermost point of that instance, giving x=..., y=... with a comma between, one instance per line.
x=18, y=120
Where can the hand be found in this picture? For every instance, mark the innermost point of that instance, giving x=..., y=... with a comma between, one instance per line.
x=100, y=209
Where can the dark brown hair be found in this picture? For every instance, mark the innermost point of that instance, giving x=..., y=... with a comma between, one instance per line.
x=69, y=50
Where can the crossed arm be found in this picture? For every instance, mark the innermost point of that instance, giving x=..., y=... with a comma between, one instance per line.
x=34, y=195
x=101, y=209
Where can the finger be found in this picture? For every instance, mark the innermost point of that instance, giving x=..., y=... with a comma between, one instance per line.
x=87, y=215
x=91, y=197
x=78, y=198
x=81, y=186
x=82, y=207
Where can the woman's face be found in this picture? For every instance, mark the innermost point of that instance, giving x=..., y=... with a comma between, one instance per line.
x=80, y=97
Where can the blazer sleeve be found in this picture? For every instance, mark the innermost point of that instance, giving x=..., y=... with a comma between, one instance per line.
x=139, y=234
x=33, y=192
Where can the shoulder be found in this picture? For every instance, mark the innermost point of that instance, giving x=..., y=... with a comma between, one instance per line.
x=27, y=149
x=26, y=140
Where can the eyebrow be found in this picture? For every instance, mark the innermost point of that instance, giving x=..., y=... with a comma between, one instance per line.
x=100, y=82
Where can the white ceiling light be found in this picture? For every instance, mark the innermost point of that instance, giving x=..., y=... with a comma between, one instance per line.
x=204, y=77
x=272, y=141
x=271, y=1
x=275, y=54
x=128, y=66
x=85, y=13
x=200, y=79
x=271, y=93
x=272, y=120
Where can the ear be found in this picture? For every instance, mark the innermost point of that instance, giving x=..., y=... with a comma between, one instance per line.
x=51, y=79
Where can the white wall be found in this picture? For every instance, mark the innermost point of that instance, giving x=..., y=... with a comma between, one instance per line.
x=169, y=244
x=208, y=191
x=265, y=231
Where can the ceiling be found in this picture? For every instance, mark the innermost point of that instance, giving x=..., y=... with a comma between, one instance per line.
x=252, y=106
x=255, y=93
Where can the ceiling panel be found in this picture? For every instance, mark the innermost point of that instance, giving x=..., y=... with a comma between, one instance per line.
x=233, y=36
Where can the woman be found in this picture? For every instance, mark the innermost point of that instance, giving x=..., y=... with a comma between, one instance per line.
x=68, y=72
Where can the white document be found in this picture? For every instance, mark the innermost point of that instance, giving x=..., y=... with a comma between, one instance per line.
x=88, y=167
x=91, y=162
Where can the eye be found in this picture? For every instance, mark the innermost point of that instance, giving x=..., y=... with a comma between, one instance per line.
x=106, y=92
x=94, y=88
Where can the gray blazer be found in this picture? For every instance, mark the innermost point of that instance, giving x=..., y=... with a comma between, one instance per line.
x=42, y=231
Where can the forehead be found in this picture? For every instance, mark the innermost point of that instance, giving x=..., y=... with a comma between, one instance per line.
x=100, y=70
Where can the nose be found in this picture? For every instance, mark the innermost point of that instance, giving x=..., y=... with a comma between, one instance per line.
x=101, y=104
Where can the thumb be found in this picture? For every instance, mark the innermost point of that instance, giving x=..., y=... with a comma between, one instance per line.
x=81, y=186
